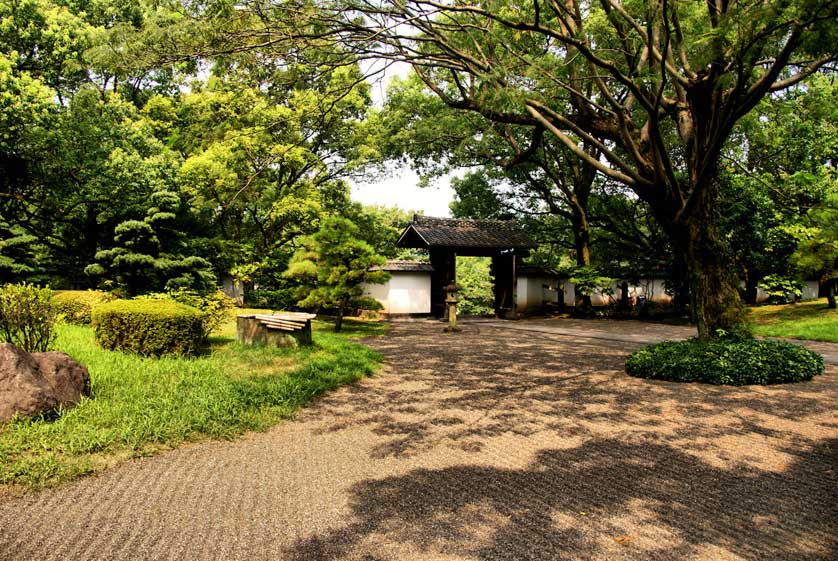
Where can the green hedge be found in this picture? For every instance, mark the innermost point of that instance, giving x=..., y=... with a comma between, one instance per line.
x=76, y=306
x=148, y=327
x=735, y=362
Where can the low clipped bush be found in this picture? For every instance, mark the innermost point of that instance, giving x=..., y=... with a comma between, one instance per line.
x=214, y=306
x=735, y=362
x=27, y=317
x=76, y=306
x=148, y=327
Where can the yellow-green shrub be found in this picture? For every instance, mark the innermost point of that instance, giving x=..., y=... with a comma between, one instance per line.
x=148, y=327
x=27, y=317
x=76, y=306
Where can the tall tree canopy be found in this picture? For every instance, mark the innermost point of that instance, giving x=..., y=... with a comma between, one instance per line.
x=656, y=87
x=105, y=107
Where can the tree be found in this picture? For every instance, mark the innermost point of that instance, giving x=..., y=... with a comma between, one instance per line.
x=778, y=165
x=333, y=264
x=656, y=87
x=151, y=255
x=476, y=286
x=95, y=118
x=268, y=157
x=517, y=168
x=818, y=247
x=380, y=226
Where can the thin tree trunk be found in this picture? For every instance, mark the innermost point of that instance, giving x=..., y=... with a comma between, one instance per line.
x=339, y=320
x=582, y=242
x=830, y=293
x=751, y=289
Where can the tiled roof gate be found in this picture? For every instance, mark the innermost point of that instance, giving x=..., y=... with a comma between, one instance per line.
x=429, y=232
x=445, y=238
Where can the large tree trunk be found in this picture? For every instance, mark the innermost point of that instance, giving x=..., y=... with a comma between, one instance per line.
x=830, y=293
x=715, y=305
x=714, y=295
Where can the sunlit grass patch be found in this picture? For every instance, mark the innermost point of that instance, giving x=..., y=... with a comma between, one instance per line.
x=804, y=320
x=139, y=405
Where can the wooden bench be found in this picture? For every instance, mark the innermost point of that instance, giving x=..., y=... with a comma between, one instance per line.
x=282, y=329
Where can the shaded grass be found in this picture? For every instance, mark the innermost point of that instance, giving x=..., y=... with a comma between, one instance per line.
x=805, y=320
x=140, y=405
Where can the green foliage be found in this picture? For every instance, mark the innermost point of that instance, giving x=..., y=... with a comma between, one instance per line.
x=141, y=405
x=269, y=163
x=147, y=256
x=281, y=299
x=27, y=317
x=215, y=306
x=476, y=286
x=333, y=265
x=817, y=249
x=781, y=289
x=76, y=306
x=588, y=281
x=98, y=136
x=20, y=254
x=778, y=180
x=148, y=327
x=728, y=361
x=380, y=226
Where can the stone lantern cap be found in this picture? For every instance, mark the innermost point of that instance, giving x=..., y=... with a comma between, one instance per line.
x=451, y=293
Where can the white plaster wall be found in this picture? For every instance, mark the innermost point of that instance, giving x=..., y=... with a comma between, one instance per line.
x=233, y=289
x=531, y=292
x=652, y=289
x=522, y=295
x=569, y=293
x=379, y=292
x=810, y=290
x=404, y=293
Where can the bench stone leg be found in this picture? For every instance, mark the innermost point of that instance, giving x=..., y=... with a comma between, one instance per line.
x=249, y=331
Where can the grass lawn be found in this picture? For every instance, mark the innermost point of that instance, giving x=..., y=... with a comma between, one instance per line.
x=805, y=320
x=142, y=405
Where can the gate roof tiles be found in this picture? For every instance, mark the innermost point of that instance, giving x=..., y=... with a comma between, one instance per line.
x=467, y=233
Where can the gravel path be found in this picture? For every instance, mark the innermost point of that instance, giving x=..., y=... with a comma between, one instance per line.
x=492, y=444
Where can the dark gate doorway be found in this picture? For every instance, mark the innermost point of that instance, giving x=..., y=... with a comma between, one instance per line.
x=446, y=238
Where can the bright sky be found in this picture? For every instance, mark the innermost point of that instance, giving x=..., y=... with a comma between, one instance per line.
x=402, y=190
x=401, y=187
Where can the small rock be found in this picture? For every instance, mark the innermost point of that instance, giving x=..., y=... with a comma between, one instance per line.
x=38, y=382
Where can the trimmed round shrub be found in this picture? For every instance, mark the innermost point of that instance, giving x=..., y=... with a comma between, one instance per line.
x=76, y=306
x=148, y=327
x=735, y=362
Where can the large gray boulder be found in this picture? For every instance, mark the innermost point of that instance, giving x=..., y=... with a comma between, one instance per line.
x=38, y=382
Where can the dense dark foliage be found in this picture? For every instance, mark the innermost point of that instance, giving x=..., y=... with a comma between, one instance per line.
x=728, y=361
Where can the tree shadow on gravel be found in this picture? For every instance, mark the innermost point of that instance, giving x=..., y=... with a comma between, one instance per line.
x=605, y=499
x=461, y=391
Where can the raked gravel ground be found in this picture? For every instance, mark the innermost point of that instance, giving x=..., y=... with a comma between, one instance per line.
x=492, y=444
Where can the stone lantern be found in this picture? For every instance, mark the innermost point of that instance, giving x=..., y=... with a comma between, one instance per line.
x=451, y=299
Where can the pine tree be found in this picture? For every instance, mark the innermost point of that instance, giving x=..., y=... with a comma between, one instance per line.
x=151, y=255
x=333, y=264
